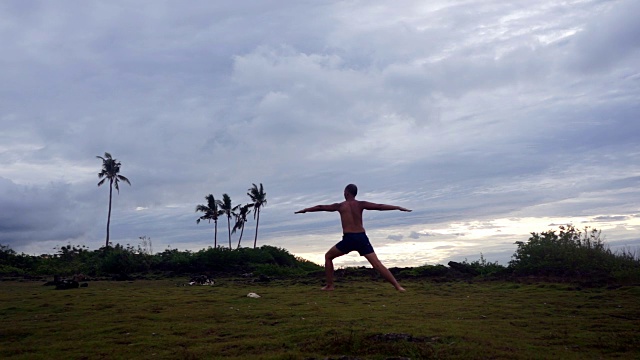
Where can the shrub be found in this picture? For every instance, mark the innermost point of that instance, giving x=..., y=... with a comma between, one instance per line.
x=573, y=253
x=430, y=270
x=123, y=260
x=6, y=254
x=175, y=260
x=275, y=270
x=308, y=266
x=485, y=268
x=8, y=270
x=280, y=256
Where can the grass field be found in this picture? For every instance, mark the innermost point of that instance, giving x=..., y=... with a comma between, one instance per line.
x=363, y=318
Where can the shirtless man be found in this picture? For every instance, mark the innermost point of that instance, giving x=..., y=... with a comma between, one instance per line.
x=354, y=237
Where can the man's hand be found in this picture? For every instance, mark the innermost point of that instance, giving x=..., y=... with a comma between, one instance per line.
x=404, y=209
x=301, y=211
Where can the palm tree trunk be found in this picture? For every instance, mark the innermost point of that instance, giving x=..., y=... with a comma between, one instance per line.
x=229, y=228
x=109, y=214
x=255, y=240
x=241, y=232
x=215, y=234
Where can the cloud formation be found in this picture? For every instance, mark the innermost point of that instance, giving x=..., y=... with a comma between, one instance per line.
x=467, y=113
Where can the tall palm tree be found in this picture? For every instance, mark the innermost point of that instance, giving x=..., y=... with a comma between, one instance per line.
x=227, y=209
x=211, y=212
x=259, y=198
x=241, y=219
x=110, y=171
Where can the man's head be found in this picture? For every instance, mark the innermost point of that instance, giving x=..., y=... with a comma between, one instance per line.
x=350, y=190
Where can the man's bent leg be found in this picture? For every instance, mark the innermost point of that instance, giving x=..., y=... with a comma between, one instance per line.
x=328, y=266
x=377, y=264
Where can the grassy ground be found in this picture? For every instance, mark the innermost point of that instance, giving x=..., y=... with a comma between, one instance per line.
x=454, y=320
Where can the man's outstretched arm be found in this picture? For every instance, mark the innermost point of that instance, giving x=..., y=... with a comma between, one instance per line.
x=332, y=207
x=381, y=207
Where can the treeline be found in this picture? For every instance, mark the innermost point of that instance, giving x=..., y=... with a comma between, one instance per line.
x=566, y=254
x=125, y=261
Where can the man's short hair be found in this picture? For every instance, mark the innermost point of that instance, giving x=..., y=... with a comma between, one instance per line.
x=352, y=189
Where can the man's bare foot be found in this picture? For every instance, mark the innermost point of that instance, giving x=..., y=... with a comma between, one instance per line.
x=328, y=288
x=401, y=289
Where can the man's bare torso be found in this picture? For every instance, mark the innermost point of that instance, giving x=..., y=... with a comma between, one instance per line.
x=351, y=211
x=351, y=216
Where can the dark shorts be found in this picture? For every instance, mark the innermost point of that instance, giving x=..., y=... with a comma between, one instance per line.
x=355, y=241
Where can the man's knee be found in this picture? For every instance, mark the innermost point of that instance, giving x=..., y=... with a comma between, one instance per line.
x=332, y=254
x=375, y=262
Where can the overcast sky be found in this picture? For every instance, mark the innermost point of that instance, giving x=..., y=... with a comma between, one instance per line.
x=490, y=119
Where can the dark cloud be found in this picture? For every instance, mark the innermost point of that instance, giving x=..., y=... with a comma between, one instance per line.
x=608, y=218
x=35, y=213
x=395, y=237
x=557, y=225
x=417, y=235
x=612, y=37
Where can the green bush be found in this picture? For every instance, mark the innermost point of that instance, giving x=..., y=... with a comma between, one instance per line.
x=275, y=270
x=486, y=268
x=175, y=260
x=265, y=260
x=6, y=254
x=571, y=253
x=308, y=266
x=8, y=270
x=127, y=261
x=430, y=270
x=280, y=256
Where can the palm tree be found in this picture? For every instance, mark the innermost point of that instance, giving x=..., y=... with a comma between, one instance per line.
x=241, y=219
x=110, y=171
x=211, y=212
x=259, y=198
x=227, y=209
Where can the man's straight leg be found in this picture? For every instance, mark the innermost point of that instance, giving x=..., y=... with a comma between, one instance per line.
x=328, y=266
x=377, y=264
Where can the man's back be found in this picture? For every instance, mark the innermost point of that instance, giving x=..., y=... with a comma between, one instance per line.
x=351, y=210
x=351, y=216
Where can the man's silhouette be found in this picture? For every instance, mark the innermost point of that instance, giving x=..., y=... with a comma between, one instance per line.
x=354, y=236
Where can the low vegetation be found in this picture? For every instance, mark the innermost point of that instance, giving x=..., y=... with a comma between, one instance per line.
x=128, y=262
x=565, y=255
x=572, y=253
